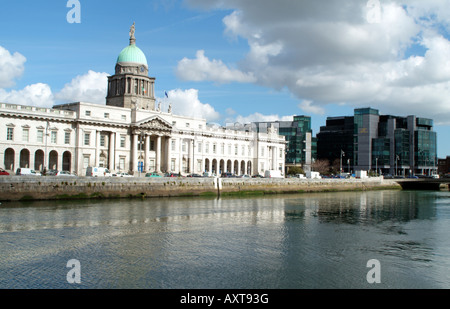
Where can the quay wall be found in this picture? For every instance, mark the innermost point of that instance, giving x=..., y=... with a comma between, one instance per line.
x=14, y=188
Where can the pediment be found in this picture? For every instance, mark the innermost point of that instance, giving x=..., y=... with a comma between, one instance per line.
x=155, y=123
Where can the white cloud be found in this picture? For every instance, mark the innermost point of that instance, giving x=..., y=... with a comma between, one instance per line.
x=11, y=67
x=201, y=69
x=34, y=95
x=327, y=52
x=90, y=87
x=187, y=103
x=258, y=117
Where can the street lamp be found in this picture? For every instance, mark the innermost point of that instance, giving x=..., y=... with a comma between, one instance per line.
x=340, y=167
x=376, y=166
x=396, y=164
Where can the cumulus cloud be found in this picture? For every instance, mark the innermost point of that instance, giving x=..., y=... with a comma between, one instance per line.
x=187, y=103
x=334, y=52
x=11, y=67
x=90, y=87
x=34, y=95
x=258, y=117
x=201, y=69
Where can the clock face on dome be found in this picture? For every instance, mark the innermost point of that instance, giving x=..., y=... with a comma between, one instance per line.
x=142, y=69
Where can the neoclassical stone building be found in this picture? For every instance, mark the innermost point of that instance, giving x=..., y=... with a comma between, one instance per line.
x=130, y=133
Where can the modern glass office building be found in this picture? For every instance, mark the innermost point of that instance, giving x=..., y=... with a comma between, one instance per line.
x=380, y=143
x=301, y=148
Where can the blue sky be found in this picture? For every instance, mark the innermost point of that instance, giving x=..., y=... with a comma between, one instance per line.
x=239, y=60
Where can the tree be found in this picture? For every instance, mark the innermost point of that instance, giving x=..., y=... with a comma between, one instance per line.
x=321, y=166
x=295, y=170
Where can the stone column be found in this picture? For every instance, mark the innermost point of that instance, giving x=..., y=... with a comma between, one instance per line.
x=158, y=154
x=146, y=153
x=97, y=148
x=169, y=150
x=191, y=156
x=112, y=151
x=274, y=158
x=134, y=153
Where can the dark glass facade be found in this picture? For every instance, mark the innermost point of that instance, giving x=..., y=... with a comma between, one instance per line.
x=383, y=143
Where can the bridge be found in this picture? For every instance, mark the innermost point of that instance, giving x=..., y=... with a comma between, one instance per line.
x=424, y=184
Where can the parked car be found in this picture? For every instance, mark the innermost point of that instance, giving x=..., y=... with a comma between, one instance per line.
x=153, y=175
x=244, y=176
x=98, y=172
x=27, y=172
x=3, y=172
x=122, y=175
x=273, y=174
x=257, y=176
x=172, y=175
x=227, y=175
x=194, y=175
x=64, y=173
x=208, y=174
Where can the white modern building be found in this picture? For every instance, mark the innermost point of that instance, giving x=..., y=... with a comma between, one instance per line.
x=130, y=134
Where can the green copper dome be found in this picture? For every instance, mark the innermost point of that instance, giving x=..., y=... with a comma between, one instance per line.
x=132, y=53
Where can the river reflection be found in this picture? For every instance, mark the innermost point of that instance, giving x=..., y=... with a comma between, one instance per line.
x=295, y=241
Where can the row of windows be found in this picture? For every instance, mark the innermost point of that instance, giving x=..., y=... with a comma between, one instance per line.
x=105, y=115
x=39, y=136
x=87, y=142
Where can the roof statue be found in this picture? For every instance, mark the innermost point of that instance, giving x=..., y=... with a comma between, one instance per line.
x=132, y=32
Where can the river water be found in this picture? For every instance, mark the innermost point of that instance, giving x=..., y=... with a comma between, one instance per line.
x=303, y=241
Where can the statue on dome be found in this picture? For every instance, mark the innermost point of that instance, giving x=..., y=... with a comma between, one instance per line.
x=132, y=32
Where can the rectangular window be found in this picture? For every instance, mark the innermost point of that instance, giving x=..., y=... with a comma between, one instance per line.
x=214, y=149
x=222, y=149
x=102, y=140
x=152, y=165
x=122, y=163
x=229, y=150
x=243, y=151
x=107, y=115
x=124, y=117
x=123, y=142
x=199, y=147
x=236, y=150
x=183, y=147
x=174, y=145
x=262, y=151
x=10, y=134
x=86, y=161
x=40, y=136
x=87, y=139
x=88, y=113
x=67, y=138
x=188, y=125
x=172, y=164
x=25, y=135
x=281, y=153
x=207, y=148
x=53, y=136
